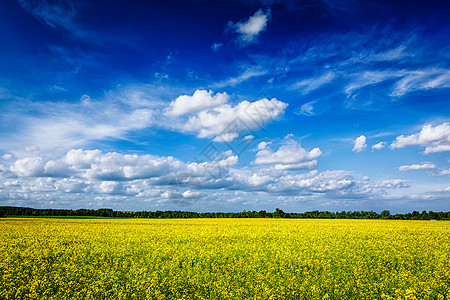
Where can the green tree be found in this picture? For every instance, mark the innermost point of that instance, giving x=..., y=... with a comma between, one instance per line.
x=385, y=214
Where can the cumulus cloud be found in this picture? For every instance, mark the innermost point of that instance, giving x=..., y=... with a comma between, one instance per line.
x=314, y=182
x=250, y=29
x=435, y=139
x=108, y=167
x=110, y=187
x=263, y=145
x=226, y=122
x=379, y=146
x=392, y=184
x=29, y=167
x=359, y=144
x=116, y=166
x=422, y=166
x=7, y=156
x=6, y=173
x=108, y=179
x=200, y=100
x=71, y=185
x=290, y=156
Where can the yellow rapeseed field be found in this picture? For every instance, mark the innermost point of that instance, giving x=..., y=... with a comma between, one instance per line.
x=224, y=259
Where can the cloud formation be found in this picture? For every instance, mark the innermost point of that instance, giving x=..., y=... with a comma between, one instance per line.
x=359, y=144
x=434, y=139
x=200, y=100
x=56, y=127
x=422, y=166
x=97, y=179
x=379, y=146
x=289, y=156
x=308, y=85
x=392, y=184
x=54, y=14
x=422, y=79
x=227, y=122
x=249, y=30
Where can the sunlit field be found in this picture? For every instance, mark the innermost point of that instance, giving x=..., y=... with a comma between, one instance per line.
x=224, y=259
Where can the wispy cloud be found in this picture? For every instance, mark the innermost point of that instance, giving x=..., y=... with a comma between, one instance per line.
x=216, y=46
x=307, y=109
x=247, y=74
x=54, y=14
x=366, y=78
x=308, y=85
x=422, y=80
x=250, y=29
x=56, y=127
x=422, y=166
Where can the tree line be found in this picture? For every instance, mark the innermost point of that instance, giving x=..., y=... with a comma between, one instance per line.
x=176, y=214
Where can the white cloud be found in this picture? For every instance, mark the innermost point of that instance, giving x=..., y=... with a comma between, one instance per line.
x=362, y=79
x=307, y=109
x=375, y=56
x=389, y=55
x=110, y=187
x=59, y=126
x=249, y=30
x=314, y=182
x=200, y=100
x=359, y=144
x=107, y=179
x=290, y=156
x=29, y=166
x=71, y=185
x=247, y=74
x=404, y=81
x=311, y=84
x=38, y=167
x=226, y=122
x=6, y=173
x=7, y=156
x=392, y=184
x=426, y=79
x=263, y=145
x=422, y=166
x=379, y=146
x=443, y=172
x=435, y=139
x=32, y=148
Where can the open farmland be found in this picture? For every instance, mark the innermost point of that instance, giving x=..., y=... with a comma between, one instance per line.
x=224, y=259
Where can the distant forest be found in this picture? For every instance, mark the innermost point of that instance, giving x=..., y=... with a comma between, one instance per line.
x=6, y=211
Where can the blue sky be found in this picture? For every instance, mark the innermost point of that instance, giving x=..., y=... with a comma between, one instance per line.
x=225, y=105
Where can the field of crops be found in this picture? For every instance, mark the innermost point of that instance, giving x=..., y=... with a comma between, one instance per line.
x=224, y=259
